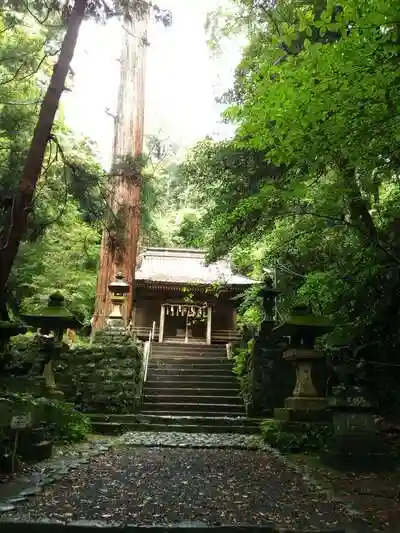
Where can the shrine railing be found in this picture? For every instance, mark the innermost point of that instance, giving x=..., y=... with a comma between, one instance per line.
x=217, y=335
x=143, y=331
x=225, y=335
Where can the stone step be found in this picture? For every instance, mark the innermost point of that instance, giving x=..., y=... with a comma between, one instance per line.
x=118, y=428
x=193, y=347
x=182, y=359
x=176, y=398
x=193, y=407
x=181, y=420
x=179, y=390
x=189, y=375
x=203, y=413
x=215, y=366
x=111, y=428
x=187, y=363
x=205, y=420
x=199, y=369
x=191, y=384
x=189, y=355
x=190, y=360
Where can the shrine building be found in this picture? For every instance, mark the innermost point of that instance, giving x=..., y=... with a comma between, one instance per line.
x=185, y=299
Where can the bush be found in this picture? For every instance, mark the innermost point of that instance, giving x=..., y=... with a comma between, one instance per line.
x=64, y=422
x=242, y=367
x=61, y=420
x=20, y=356
x=297, y=437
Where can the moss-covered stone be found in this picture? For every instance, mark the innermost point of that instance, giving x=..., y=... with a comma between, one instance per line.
x=102, y=378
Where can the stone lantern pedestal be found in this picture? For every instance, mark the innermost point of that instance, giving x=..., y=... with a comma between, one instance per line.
x=305, y=395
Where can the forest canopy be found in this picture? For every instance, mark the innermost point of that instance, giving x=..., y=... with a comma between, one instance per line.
x=309, y=184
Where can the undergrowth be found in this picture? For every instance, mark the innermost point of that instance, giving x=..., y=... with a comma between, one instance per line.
x=296, y=437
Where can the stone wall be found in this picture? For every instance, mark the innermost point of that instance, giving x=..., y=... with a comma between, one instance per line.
x=272, y=378
x=101, y=378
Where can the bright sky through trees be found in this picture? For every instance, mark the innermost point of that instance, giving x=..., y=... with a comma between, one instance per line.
x=182, y=79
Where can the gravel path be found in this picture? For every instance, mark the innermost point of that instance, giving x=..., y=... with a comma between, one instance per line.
x=193, y=440
x=157, y=485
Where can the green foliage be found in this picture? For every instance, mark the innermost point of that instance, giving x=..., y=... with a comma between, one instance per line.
x=306, y=438
x=61, y=247
x=241, y=357
x=309, y=184
x=243, y=368
x=249, y=311
x=189, y=233
x=63, y=259
x=104, y=377
x=64, y=422
x=20, y=357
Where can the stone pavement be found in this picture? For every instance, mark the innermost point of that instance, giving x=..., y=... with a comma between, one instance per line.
x=167, y=478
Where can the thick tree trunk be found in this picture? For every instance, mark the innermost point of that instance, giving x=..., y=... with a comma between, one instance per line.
x=22, y=203
x=125, y=190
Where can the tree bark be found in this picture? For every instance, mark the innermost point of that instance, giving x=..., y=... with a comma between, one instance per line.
x=22, y=203
x=125, y=191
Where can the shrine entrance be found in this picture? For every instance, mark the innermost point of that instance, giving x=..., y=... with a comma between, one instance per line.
x=186, y=323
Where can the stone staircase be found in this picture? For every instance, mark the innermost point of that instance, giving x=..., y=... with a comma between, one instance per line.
x=189, y=388
x=190, y=379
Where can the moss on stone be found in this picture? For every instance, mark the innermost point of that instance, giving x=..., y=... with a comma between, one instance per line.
x=101, y=378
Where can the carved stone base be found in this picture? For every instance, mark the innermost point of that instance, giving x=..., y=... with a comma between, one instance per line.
x=57, y=394
x=302, y=415
x=303, y=403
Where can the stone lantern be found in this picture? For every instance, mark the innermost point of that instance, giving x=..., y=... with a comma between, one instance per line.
x=303, y=328
x=119, y=289
x=265, y=358
x=52, y=320
x=268, y=294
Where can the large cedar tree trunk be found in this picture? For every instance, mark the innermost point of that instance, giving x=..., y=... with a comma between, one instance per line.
x=12, y=235
x=125, y=190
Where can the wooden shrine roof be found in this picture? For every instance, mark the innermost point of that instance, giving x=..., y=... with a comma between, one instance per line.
x=185, y=266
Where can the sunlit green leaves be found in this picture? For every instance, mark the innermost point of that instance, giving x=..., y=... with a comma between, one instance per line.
x=316, y=98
